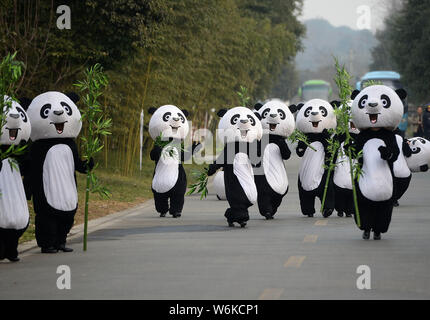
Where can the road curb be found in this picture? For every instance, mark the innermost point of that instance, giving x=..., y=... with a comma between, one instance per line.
x=93, y=225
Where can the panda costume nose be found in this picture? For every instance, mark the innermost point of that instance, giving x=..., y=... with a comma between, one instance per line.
x=175, y=119
x=14, y=115
x=373, y=105
x=244, y=121
x=314, y=113
x=273, y=115
x=58, y=112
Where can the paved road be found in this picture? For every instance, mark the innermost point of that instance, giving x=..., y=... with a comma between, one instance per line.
x=142, y=256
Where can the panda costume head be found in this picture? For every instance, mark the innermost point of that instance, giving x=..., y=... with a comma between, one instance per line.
x=277, y=118
x=420, y=156
x=17, y=126
x=377, y=106
x=239, y=124
x=54, y=115
x=169, y=121
x=315, y=116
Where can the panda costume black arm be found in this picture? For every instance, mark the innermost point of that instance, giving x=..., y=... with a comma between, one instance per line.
x=81, y=166
x=282, y=144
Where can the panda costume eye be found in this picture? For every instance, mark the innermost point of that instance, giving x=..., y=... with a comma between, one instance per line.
x=386, y=102
x=235, y=119
x=251, y=118
x=182, y=117
x=44, y=111
x=67, y=108
x=22, y=113
x=282, y=114
x=167, y=116
x=363, y=101
x=422, y=141
x=308, y=111
x=265, y=113
x=324, y=111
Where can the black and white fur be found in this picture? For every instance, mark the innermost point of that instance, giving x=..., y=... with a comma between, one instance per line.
x=169, y=181
x=239, y=128
x=14, y=215
x=219, y=186
x=420, y=154
x=314, y=119
x=376, y=112
x=54, y=158
x=278, y=123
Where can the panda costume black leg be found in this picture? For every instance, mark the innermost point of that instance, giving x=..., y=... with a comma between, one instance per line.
x=270, y=174
x=376, y=112
x=53, y=162
x=14, y=214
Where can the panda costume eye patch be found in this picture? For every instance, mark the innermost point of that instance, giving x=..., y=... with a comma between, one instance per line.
x=308, y=111
x=281, y=114
x=251, y=118
x=44, y=111
x=363, y=101
x=22, y=113
x=67, y=108
x=324, y=111
x=265, y=113
x=166, y=116
x=386, y=101
x=182, y=117
x=234, y=119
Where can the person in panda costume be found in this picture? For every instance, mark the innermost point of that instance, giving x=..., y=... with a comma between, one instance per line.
x=342, y=176
x=314, y=119
x=401, y=172
x=218, y=184
x=239, y=128
x=420, y=154
x=169, y=182
x=14, y=216
x=54, y=158
x=376, y=111
x=278, y=123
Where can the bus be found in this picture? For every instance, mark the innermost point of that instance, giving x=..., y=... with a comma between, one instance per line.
x=391, y=79
x=315, y=89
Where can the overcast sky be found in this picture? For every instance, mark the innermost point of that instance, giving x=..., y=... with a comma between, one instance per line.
x=344, y=12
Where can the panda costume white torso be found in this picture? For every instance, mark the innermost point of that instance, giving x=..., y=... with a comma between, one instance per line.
x=54, y=158
x=401, y=172
x=314, y=119
x=14, y=215
x=420, y=154
x=271, y=178
x=342, y=176
x=376, y=111
x=240, y=129
x=219, y=187
x=169, y=180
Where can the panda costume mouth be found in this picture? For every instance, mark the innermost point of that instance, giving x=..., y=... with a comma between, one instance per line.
x=59, y=126
x=315, y=124
x=243, y=133
x=175, y=129
x=13, y=133
x=272, y=126
x=373, y=117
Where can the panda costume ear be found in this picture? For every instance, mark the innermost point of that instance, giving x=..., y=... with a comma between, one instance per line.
x=298, y=107
x=24, y=102
x=293, y=108
x=152, y=110
x=185, y=112
x=335, y=104
x=73, y=96
x=402, y=93
x=257, y=115
x=258, y=106
x=354, y=94
x=221, y=113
